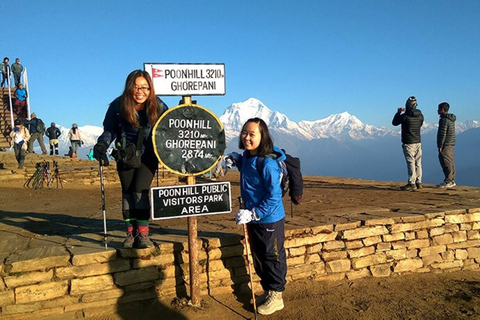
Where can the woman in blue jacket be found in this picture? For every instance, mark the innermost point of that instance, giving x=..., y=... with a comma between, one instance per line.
x=264, y=213
x=135, y=111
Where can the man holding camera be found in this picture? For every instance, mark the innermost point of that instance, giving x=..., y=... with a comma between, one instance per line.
x=411, y=120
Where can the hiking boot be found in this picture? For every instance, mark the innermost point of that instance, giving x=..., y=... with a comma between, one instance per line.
x=450, y=185
x=261, y=299
x=409, y=187
x=143, y=241
x=129, y=241
x=442, y=185
x=418, y=185
x=273, y=302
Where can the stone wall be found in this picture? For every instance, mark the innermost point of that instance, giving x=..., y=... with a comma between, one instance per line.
x=68, y=283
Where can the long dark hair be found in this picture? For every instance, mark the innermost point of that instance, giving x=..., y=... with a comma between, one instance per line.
x=128, y=104
x=266, y=142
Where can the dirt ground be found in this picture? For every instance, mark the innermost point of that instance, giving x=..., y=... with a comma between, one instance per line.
x=327, y=200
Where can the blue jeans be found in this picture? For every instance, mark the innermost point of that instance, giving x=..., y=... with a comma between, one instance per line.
x=413, y=156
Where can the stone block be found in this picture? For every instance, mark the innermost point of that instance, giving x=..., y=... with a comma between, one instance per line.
x=40, y=292
x=296, y=251
x=82, y=256
x=393, y=237
x=334, y=245
x=355, y=244
x=383, y=246
x=419, y=243
x=414, y=218
x=422, y=234
x=92, y=270
x=335, y=266
x=315, y=239
x=312, y=258
x=59, y=302
x=357, y=274
x=370, y=241
x=365, y=251
x=159, y=260
x=434, y=215
x=295, y=261
x=448, y=255
x=91, y=284
x=364, y=232
x=347, y=226
x=461, y=254
x=295, y=233
x=38, y=259
x=396, y=254
x=402, y=227
x=465, y=226
x=410, y=235
x=381, y=270
x=327, y=228
x=225, y=252
x=26, y=278
x=379, y=222
x=466, y=244
x=224, y=241
x=136, y=276
x=473, y=210
x=442, y=239
x=433, y=258
x=103, y=295
x=473, y=253
x=455, y=212
x=408, y=265
x=334, y=255
x=432, y=250
x=7, y=298
x=473, y=235
x=437, y=231
x=462, y=218
x=476, y=226
x=371, y=260
x=315, y=248
x=448, y=265
x=399, y=245
x=216, y=265
x=459, y=236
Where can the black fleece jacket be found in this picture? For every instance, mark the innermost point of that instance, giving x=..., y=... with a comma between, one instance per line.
x=411, y=121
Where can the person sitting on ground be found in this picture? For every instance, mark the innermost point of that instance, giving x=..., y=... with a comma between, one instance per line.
x=53, y=133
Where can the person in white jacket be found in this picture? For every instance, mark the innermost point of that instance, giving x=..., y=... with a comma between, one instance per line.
x=75, y=138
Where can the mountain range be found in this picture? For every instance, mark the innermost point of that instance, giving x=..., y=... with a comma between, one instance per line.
x=339, y=145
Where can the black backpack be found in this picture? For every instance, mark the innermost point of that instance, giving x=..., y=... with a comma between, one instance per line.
x=40, y=126
x=291, y=179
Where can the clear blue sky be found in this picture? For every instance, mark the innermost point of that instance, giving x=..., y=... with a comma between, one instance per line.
x=306, y=59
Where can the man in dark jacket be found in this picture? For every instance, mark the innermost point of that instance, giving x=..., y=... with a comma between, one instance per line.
x=37, y=130
x=53, y=133
x=445, y=144
x=411, y=121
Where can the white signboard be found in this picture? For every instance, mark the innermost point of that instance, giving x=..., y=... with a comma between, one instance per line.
x=186, y=79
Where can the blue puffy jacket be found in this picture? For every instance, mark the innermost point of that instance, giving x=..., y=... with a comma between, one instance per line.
x=262, y=193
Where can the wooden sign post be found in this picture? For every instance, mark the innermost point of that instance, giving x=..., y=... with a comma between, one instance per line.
x=189, y=140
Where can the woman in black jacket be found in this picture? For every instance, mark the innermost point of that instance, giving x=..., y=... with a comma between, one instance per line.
x=136, y=111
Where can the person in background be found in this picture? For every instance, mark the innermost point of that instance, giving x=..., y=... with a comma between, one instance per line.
x=37, y=130
x=20, y=104
x=53, y=133
x=5, y=71
x=19, y=140
x=264, y=213
x=411, y=120
x=446, y=144
x=137, y=109
x=75, y=138
x=17, y=70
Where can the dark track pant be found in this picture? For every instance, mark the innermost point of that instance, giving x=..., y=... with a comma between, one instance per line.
x=447, y=161
x=268, y=253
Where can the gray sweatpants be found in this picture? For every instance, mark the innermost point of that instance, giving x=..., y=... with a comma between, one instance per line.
x=413, y=156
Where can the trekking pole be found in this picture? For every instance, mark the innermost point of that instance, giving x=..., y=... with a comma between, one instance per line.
x=247, y=247
x=102, y=188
